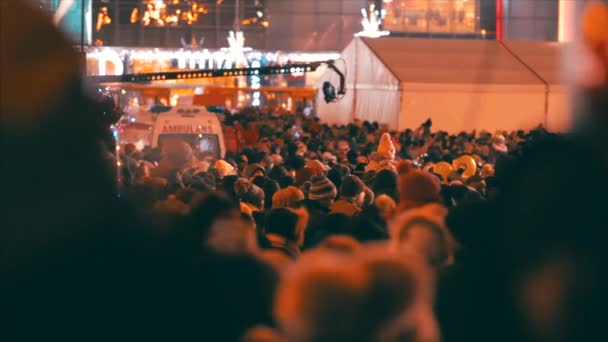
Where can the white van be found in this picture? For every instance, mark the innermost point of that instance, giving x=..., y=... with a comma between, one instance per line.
x=194, y=125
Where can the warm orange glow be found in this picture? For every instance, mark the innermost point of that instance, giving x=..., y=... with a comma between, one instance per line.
x=255, y=20
x=134, y=16
x=457, y=16
x=158, y=14
x=103, y=18
x=172, y=19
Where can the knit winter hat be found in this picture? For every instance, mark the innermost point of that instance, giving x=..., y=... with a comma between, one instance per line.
x=351, y=186
x=317, y=165
x=203, y=182
x=251, y=169
x=417, y=188
x=433, y=217
x=386, y=147
x=499, y=144
x=385, y=203
x=248, y=192
x=224, y=168
x=287, y=198
x=322, y=188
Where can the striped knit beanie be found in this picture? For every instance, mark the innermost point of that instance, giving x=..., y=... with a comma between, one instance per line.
x=248, y=192
x=322, y=188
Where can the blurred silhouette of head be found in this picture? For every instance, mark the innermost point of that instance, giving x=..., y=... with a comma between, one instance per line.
x=377, y=297
x=49, y=120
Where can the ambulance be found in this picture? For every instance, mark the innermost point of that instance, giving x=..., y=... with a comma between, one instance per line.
x=194, y=125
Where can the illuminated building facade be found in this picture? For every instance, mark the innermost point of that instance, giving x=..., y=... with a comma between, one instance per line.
x=440, y=18
x=179, y=23
x=308, y=25
x=288, y=25
x=547, y=20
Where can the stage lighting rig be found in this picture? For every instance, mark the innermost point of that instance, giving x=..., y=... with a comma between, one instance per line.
x=329, y=91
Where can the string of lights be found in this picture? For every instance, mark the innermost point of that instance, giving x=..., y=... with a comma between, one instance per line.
x=209, y=73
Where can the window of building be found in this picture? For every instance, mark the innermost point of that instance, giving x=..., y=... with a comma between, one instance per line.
x=432, y=16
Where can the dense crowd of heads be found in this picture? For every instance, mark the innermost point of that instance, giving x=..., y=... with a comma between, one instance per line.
x=292, y=161
x=303, y=232
x=350, y=217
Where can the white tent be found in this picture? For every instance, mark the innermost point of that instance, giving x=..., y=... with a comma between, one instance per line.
x=547, y=60
x=459, y=84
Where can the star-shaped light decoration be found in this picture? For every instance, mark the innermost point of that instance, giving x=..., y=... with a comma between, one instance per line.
x=237, y=49
x=372, y=19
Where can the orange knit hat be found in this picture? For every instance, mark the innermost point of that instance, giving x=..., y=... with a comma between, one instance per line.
x=417, y=188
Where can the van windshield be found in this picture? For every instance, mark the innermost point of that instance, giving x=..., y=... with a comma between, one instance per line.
x=203, y=145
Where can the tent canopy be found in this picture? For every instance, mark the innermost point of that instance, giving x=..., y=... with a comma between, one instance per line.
x=460, y=84
x=449, y=61
x=545, y=58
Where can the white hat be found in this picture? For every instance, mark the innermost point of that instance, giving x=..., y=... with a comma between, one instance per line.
x=386, y=147
x=499, y=144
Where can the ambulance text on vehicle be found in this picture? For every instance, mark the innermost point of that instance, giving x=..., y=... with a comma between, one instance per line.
x=194, y=125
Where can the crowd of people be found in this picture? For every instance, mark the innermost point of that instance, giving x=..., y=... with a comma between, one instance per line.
x=306, y=233
x=325, y=205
